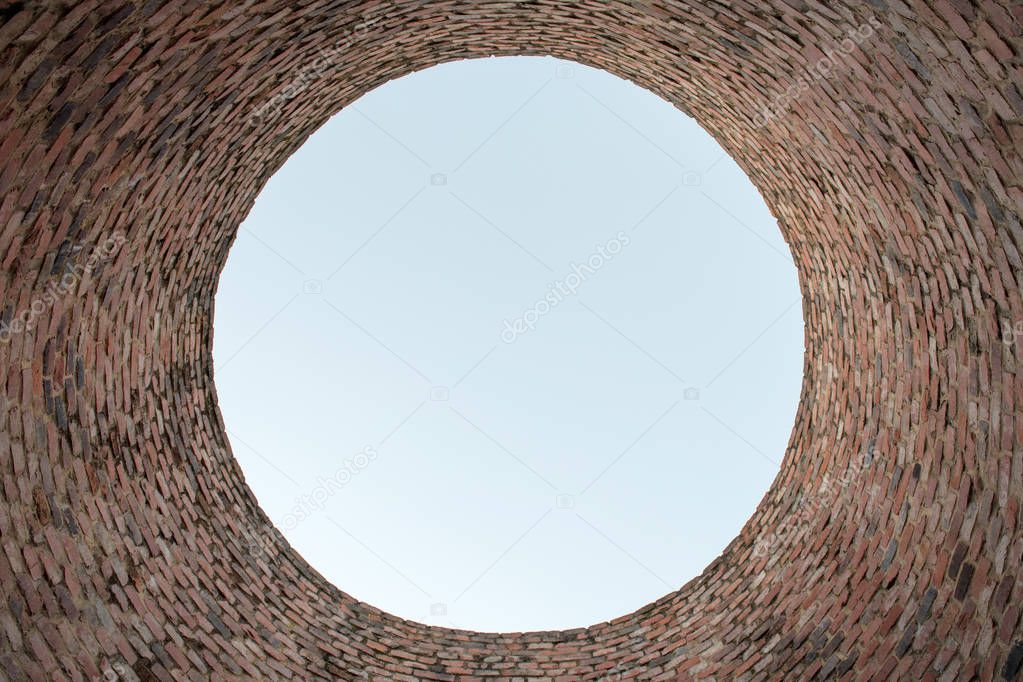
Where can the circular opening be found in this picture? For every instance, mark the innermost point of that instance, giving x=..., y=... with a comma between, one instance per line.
x=509, y=344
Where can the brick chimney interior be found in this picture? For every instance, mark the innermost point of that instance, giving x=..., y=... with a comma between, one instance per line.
x=885, y=137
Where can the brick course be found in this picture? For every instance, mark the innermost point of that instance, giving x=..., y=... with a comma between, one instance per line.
x=897, y=179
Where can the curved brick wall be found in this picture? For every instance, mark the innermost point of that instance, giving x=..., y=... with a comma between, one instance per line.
x=134, y=138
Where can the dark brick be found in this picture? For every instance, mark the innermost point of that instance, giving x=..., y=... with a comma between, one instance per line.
x=963, y=584
x=1013, y=662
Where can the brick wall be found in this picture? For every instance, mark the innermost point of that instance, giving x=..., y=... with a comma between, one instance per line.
x=134, y=138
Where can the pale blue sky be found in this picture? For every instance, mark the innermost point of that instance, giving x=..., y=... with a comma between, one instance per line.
x=597, y=461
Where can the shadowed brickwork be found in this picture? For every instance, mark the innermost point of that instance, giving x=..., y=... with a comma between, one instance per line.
x=134, y=137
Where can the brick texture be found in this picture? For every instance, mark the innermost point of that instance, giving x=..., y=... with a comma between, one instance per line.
x=135, y=136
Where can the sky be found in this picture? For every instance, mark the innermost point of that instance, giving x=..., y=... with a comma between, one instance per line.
x=509, y=344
